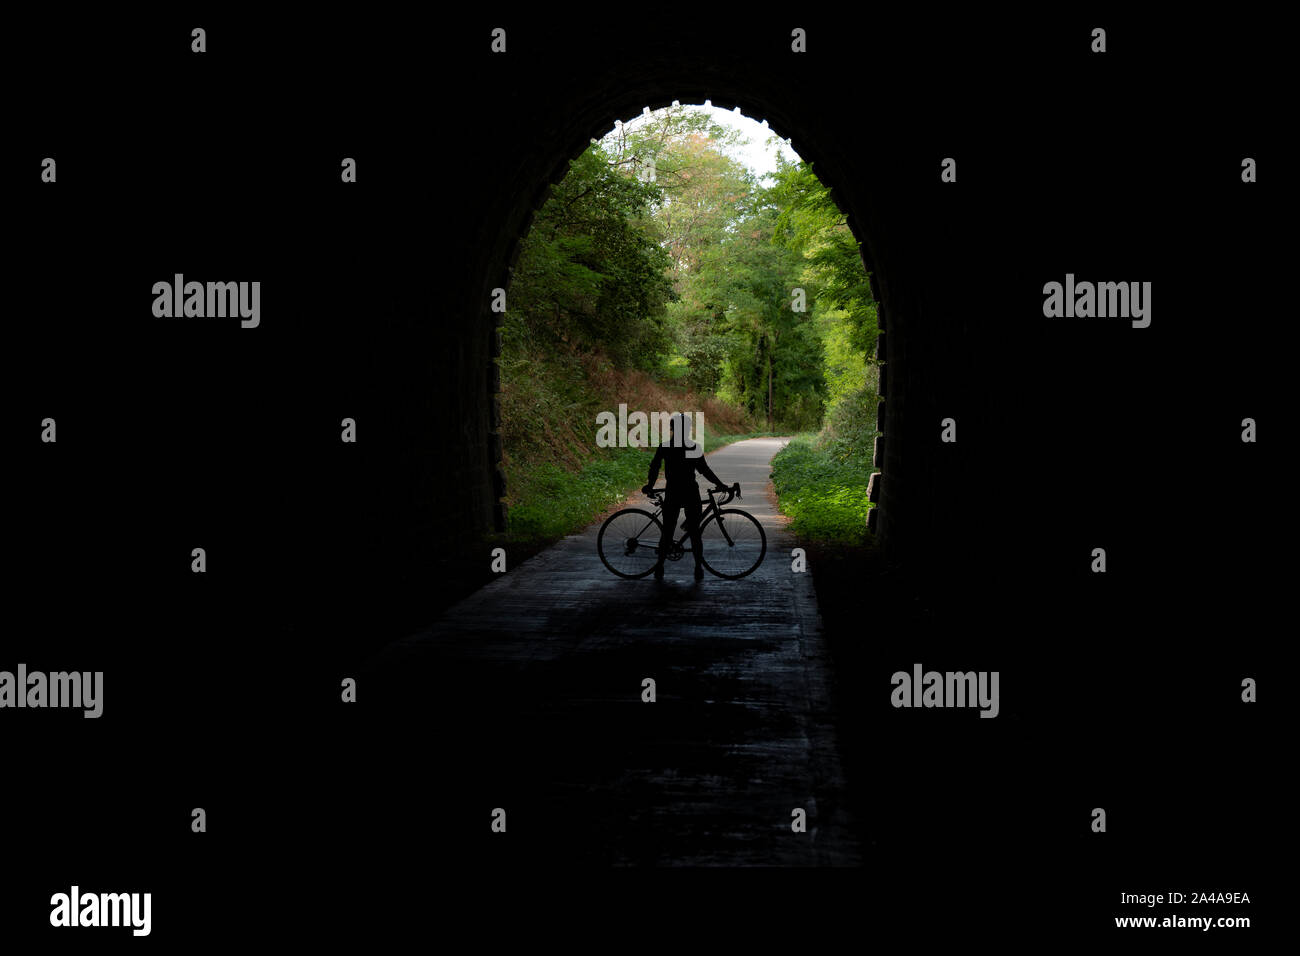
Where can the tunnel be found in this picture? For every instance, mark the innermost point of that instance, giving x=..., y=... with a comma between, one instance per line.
x=1119, y=689
x=438, y=478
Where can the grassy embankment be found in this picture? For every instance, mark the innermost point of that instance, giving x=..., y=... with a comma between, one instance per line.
x=557, y=480
x=821, y=479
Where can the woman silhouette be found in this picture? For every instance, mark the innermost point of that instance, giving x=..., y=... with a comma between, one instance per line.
x=681, y=458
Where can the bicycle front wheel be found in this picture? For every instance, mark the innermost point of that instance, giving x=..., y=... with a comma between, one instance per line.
x=732, y=543
x=628, y=542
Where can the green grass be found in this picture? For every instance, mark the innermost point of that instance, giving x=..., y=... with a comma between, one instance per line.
x=822, y=486
x=821, y=483
x=557, y=483
x=555, y=502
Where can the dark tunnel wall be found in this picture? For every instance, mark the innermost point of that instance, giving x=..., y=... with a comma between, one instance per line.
x=548, y=112
x=1045, y=141
x=1071, y=434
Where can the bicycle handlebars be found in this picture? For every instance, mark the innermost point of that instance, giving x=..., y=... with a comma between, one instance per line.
x=732, y=492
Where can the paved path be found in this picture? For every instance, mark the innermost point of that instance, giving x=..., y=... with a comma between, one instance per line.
x=542, y=669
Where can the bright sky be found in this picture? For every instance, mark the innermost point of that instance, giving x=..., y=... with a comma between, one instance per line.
x=756, y=154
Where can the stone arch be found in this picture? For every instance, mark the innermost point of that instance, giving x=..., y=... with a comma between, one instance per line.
x=596, y=117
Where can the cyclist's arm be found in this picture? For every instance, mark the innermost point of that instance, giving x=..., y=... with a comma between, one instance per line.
x=707, y=472
x=654, y=467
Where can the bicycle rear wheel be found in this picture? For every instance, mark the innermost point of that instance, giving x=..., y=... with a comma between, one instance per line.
x=628, y=542
x=733, y=543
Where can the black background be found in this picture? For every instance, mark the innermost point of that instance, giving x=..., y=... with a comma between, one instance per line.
x=1120, y=691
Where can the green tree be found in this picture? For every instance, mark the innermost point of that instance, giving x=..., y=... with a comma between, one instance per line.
x=773, y=364
x=592, y=271
x=811, y=225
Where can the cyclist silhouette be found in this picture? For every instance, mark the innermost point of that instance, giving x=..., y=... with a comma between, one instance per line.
x=682, y=492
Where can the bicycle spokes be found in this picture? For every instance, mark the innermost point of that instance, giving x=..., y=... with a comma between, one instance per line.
x=628, y=542
x=733, y=543
x=722, y=526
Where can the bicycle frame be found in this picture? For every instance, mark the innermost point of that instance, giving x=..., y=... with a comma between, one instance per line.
x=713, y=506
x=638, y=530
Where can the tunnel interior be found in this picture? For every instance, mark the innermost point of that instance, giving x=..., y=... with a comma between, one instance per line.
x=1071, y=435
x=444, y=496
x=1051, y=416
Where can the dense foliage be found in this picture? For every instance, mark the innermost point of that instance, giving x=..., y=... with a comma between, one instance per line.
x=660, y=252
x=592, y=273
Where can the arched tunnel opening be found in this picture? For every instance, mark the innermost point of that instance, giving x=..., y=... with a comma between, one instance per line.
x=579, y=134
x=439, y=486
x=687, y=258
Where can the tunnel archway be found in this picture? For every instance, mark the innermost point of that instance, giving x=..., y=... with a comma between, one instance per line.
x=437, y=482
x=587, y=126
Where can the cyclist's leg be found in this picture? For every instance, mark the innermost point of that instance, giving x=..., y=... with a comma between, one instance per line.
x=669, y=518
x=693, y=512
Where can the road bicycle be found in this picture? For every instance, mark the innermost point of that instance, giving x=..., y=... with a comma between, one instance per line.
x=731, y=540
